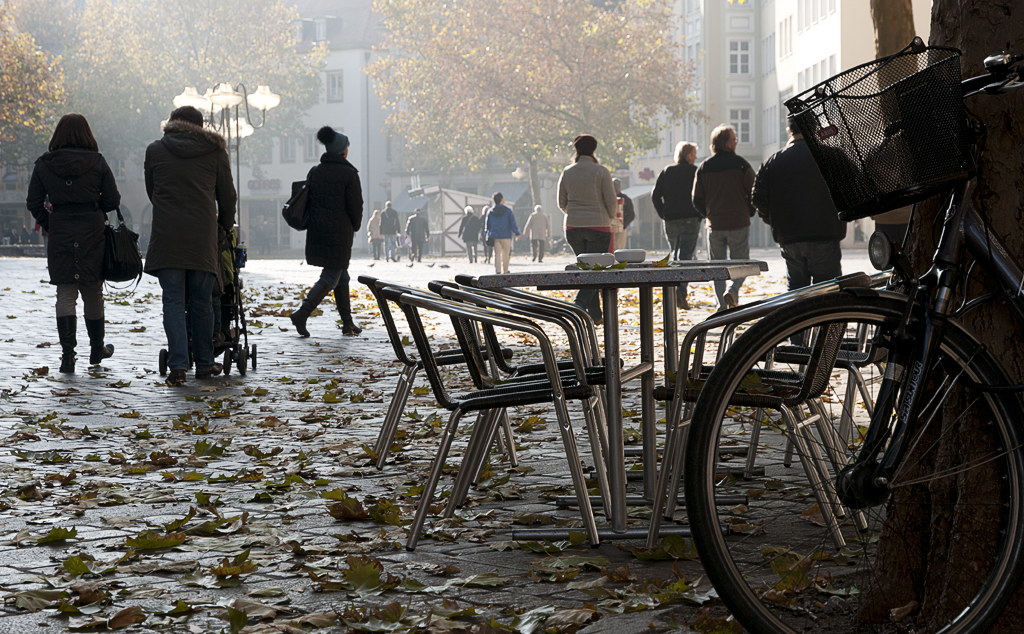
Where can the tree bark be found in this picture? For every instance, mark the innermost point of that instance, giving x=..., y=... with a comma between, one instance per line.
x=944, y=548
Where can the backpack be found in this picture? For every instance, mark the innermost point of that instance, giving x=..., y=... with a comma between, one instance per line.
x=294, y=211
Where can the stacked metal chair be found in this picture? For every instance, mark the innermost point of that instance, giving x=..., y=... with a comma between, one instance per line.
x=552, y=387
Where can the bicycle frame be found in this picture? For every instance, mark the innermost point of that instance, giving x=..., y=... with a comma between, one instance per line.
x=963, y=229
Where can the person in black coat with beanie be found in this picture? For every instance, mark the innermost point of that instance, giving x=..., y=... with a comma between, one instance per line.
x=335, y=208
x=80, y=187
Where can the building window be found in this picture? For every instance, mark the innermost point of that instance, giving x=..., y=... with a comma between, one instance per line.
x=321, y=29
x=770, y=125
x=831, y=65
x=739, y=57
x=335, y=91
x=739, y=119
x=784, y=96
x=824, y=8
x=831, y=6
x=311, y=152
x=287, y=149
x=768, y=53
x=799, y=15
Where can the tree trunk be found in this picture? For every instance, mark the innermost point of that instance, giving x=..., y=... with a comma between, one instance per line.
x=894, y=25
x=534, y=184
x=915, y=561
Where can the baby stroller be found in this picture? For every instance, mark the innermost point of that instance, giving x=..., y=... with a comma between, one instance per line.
x=230, y=335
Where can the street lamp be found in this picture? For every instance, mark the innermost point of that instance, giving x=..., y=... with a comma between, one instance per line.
x=220, y=101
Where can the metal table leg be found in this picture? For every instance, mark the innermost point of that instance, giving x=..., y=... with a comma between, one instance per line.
x=613, y=389
x=670, y=327
x=648, y=425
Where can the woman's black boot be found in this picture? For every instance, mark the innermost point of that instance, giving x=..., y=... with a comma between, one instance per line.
x=67, y=330
x=344, y=302
x=313, y=299
x=97, y=350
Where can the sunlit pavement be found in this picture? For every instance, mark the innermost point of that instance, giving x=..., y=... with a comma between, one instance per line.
x=94, y=461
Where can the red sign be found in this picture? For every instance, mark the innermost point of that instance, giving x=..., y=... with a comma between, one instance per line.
x=646, y=174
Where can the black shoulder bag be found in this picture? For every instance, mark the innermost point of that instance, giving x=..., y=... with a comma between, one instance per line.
x=122, y=260
x=294, y=211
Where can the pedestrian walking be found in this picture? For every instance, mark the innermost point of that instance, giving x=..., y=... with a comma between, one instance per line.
x=721, y=192
x=673, y=201
x=374, y=235
x=469, y=231
x=389, y=230
x=500, y=226
x=628, y=214
x=188, y=180
x=790, y=195
x=488, y=244
x=74, y=178
x=335, y=210
x=538, y=230
x=417, y=229
x=587, y=198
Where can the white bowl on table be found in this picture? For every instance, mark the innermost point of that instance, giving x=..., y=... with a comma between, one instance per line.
x=596, y=259
x=631, y=256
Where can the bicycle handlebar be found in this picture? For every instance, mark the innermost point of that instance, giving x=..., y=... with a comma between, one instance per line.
x=1002, y=76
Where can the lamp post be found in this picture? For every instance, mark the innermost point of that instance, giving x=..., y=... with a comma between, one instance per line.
x=218, y=104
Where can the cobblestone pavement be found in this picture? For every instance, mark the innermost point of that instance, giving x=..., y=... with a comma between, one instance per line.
x=212, y=507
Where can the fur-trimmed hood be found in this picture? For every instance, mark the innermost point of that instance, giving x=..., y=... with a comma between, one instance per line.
x=187, y=140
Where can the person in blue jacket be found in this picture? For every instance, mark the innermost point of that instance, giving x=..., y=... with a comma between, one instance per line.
x=499, y=228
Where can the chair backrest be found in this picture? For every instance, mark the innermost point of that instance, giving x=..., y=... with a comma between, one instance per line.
x=376, y=286
x=824, y=352
x=419, y=337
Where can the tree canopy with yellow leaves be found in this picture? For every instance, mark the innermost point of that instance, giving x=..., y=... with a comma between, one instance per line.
x=467, y=79
x=30, y=89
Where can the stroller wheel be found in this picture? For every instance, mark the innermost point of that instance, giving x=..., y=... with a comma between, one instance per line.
x=243, y=361
x=162, y=363
x=253, y=358
x=227, y=362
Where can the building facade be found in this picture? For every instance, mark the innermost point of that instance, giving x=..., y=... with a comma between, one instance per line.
x=750, y=57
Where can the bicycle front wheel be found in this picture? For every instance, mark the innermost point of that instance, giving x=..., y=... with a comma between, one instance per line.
x=937, y=547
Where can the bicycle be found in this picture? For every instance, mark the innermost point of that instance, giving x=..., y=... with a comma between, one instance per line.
x=869, y=428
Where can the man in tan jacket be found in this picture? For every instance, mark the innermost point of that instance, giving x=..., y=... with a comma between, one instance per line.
x=538, y=231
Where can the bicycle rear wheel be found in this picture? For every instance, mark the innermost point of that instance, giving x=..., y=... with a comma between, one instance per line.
x=940, y=550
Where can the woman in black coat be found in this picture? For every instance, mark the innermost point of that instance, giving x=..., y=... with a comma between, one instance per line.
x=335, y=209
x=80, y=187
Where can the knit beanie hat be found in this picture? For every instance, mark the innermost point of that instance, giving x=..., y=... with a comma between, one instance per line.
x=585, y=144
x=335, y=142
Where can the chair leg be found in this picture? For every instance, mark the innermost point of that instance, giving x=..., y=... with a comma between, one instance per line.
x=389, y=427
x=817, y=474
x=671, y=500
x=510, y=440
x=473, y=459
x=427, y=496
x=673, y=427
x=572, y=454
x=594, y=420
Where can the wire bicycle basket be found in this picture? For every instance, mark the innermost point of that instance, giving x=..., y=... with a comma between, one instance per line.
x=888, y=133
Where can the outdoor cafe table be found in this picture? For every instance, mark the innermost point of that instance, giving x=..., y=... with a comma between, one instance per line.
x=644, y=277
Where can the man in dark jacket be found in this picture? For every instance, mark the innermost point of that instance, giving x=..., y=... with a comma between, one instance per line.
x=469, y=231
x=673, y=200
x=389, y=228
x=721, y=193
x=335, y=209
x=188, y=179
x=418, y=230
x=791, y=196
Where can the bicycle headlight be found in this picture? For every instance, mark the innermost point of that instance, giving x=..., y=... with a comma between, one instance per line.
x=880, y=251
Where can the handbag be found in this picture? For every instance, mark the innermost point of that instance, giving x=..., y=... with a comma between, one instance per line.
x=294, y=210
x=122, y=260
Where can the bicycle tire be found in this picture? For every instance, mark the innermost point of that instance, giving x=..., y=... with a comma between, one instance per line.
x=777, y=568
